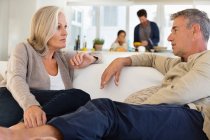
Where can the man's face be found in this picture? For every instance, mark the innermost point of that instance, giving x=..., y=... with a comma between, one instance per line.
x=181, y=37
x=142, y=19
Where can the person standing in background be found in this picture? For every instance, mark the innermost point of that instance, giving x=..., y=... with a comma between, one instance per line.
x=147, y=32
x=119, y=44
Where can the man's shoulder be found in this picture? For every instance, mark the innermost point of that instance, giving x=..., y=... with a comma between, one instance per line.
x=152, y=23
x=202, y=56
x=205, y=54
x=137, y=26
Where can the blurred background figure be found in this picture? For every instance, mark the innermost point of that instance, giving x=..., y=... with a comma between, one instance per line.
x=147, y=32
x=119, y=44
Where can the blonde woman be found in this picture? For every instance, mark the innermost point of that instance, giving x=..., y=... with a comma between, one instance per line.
x=38, y=83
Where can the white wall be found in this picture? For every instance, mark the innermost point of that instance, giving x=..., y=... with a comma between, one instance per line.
x=14, y=23
x=4, y=12
x=19, y=21
x=15, y=19
x=61, y=3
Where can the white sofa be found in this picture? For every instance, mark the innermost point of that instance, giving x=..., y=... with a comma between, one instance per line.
x=132, y=79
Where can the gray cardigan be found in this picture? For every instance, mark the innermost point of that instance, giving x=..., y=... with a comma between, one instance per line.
x=26, y=70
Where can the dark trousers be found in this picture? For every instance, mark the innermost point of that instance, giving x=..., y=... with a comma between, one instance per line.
x=53, y=102
x=103, y=119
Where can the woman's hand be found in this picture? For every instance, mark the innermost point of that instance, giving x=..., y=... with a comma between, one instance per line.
x=82, y=60
x=34, y=116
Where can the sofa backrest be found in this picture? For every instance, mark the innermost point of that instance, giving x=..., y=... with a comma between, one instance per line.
x=132, y=79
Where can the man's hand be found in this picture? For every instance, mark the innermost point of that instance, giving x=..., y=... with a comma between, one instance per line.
x=82, y=60
x=34, y=116
x=144, y=43
x=114, y=69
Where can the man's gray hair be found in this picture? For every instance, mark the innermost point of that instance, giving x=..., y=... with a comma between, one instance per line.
x=195, y=16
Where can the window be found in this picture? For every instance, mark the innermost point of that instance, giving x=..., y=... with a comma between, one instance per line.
x=96, y=21
x=105, y=21
x=114, y=20
x=82, y=23
x=110, y=14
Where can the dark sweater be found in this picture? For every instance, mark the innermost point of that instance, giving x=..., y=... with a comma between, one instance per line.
x=154, y=36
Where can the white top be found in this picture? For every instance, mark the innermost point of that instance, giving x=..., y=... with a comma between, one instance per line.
x=56, y=82
x=116, y=45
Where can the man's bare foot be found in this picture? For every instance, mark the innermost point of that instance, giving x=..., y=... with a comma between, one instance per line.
x=6, y=134
x=45, y=132
x=18, y=126
x=44, y=138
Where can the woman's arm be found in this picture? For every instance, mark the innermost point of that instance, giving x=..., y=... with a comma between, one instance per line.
x=83, y=59
x=16, y=83
x=16, y=77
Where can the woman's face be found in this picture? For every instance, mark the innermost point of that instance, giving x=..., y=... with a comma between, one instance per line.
x=58, y=40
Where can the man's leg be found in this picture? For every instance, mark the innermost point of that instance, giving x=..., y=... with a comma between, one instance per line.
x=104, y=119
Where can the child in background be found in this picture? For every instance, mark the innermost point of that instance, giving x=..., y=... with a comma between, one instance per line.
x=119, y=44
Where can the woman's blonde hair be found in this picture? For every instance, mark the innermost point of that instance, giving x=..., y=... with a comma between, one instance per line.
x=43, y=27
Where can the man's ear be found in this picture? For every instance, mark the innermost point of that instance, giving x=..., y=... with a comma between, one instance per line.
x=196, y=29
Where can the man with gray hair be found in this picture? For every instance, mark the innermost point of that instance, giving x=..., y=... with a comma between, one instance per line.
x=177, y=110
